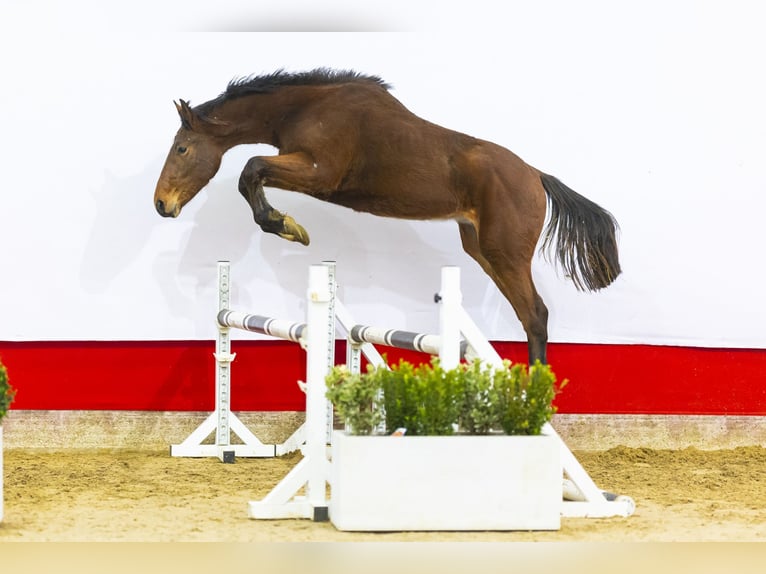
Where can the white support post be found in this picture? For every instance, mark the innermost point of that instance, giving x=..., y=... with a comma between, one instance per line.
x=354, y=357
x=480, y=347
x=354, y=351
x=320, y=319
x=332, y=287
x=223, y=359
x=451, y=300
x=312, y=472
x=222, y=421
x=591, y=501
x=584, y=499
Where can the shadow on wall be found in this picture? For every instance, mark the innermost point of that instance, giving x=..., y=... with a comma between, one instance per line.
x=126, y=223
x=390, y=255
x=121, y=228
x=367, y=248
x=374, y=255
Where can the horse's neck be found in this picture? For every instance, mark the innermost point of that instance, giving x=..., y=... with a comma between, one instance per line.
x=259, y=117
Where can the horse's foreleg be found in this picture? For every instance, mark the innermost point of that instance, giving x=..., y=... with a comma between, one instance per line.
x=269, y=219
x=291, y=172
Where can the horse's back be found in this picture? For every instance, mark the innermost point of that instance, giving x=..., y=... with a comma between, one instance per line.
x=397, y=164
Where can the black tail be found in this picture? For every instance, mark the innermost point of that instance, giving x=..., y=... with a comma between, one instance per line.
x=585, y=234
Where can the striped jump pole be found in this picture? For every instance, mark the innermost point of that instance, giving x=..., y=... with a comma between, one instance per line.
x=408, y=340
x=264, y=325
x=447, y=345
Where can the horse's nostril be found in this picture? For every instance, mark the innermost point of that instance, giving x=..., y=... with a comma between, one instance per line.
x=160, y=207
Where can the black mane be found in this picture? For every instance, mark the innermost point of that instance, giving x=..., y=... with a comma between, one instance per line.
x=268, y=83
x=320, y=76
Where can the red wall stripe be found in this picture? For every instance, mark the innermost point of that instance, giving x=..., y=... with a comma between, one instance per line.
x=180, y=375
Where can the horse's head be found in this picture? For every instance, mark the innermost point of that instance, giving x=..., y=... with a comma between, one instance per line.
x=193, y=160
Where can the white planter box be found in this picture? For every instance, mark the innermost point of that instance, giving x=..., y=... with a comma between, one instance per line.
x=383, y=483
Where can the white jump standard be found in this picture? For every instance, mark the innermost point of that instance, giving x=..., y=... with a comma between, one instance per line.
x=312, y=472
x=580, y=496
x=222, y=420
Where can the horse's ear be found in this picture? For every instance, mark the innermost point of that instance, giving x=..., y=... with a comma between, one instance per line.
x=194, y=121
x=187, y=115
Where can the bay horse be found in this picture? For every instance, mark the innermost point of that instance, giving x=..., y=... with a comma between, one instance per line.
x=343, y=138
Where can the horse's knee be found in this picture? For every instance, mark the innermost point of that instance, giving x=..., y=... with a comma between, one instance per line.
x=254, y=169
x=251, y=188
x=250, y=180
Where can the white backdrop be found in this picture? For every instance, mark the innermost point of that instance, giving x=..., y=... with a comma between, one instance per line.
x=655, y=112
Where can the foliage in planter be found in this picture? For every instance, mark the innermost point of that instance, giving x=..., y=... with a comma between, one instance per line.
x=425, y=399
x=356, y=398
x=478, y=408
x=524, y=397
x=6, y=392
x=428, y=400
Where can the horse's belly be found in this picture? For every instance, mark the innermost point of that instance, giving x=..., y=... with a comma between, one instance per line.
x=401, y=206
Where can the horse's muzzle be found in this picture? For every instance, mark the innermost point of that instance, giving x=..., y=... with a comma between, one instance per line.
x=163, y=211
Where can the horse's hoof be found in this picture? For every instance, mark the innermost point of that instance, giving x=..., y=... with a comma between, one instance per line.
x=293, y=231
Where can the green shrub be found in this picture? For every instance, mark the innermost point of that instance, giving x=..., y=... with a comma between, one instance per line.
x=478, y=411
x=524, y=397
x=422, y=399
x=6, y=392
x=356, y=398
x=428, y=400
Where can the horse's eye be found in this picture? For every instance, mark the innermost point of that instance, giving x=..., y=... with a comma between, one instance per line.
x=181, y=149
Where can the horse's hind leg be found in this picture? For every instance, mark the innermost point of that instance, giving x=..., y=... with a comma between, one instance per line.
x=510, y=267
x=470, y=240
